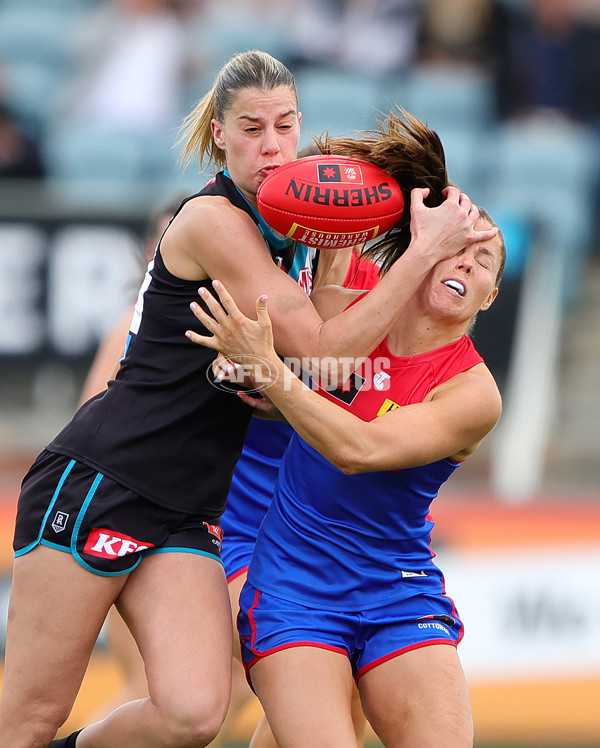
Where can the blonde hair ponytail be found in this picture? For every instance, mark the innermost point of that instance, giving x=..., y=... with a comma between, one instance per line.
x=253, y=69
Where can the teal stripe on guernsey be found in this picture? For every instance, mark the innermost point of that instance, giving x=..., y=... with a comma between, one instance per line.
x=280, y=243
x=300, y=261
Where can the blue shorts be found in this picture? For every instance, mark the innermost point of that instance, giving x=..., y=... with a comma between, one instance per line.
x=247, y=503
x=251, y=492
x=268, y=624
x=108, y=529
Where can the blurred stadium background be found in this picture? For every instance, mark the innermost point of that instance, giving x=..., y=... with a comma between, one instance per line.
x=91, y=96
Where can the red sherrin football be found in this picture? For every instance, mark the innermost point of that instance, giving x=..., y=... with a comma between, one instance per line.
x=330, y=201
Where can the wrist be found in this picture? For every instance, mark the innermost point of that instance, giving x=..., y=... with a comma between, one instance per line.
x=419, y=254
x=268, y=367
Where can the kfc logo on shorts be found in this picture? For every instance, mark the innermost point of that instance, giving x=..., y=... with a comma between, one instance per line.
x=111, y=544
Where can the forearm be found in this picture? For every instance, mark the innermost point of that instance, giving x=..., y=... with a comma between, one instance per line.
x=338, y=435
x=359, y=329
x=272, y=414
x=436, y=233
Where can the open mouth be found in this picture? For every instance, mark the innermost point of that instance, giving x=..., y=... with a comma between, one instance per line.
x=455, y=286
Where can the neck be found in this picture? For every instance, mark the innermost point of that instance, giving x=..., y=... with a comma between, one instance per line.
x=411, y=336
x=250, y=197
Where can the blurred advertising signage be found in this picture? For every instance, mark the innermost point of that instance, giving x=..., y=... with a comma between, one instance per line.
x=528, y=613
x=62, y=289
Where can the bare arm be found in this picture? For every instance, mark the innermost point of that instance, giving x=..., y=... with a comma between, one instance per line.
x=298, y=329
x=450, y=423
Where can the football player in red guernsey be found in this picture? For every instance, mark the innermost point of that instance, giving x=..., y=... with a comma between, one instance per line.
x=342, y=579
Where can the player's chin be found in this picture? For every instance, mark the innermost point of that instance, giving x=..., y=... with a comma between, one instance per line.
x=256, y=183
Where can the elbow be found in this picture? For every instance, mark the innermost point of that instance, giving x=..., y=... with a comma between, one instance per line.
x=350, y=461
x=351, y=449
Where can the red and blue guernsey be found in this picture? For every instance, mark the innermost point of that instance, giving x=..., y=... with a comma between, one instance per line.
x=256, y=471
x=351, y=543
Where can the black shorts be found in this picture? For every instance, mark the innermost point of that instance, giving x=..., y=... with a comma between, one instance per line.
x=107, y=528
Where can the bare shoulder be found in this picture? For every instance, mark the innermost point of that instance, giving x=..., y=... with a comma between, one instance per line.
x=204, y=228
x=470, y=404
x=209, y=218
x=478, y=387
x=330, y=301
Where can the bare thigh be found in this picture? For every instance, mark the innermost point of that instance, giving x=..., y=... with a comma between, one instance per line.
x=306, y=693
x=123, y=647
x=235, y=587
x=177, y=607
x=56, y=611
x=419, y=698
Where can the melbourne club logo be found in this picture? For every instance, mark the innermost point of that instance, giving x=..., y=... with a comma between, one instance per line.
x=340, y=173
x=349, y=390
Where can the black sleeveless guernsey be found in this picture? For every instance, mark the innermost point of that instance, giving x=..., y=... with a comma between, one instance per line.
x=161, y=428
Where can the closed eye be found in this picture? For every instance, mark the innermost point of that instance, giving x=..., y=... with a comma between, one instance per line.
x=485, y=258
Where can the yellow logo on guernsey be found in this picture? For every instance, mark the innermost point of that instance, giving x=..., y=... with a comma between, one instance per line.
x=386, y=406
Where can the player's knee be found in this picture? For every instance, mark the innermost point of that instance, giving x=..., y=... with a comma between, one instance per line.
x=35, y=720
x=42, y=723
x=196, y=723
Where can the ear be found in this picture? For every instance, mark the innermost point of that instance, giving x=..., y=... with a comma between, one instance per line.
x=217, y=133
x=299, y=118
x=489, y=301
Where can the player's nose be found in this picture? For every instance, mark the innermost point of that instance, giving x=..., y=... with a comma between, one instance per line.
x=270, y=142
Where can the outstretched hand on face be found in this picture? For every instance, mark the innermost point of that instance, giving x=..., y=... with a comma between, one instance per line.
x=444, y=230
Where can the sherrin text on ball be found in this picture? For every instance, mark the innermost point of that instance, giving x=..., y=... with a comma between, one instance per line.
x=330, y=201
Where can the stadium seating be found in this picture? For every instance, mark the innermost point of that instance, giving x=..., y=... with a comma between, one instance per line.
x=450, y=95
x=31, y=89
x=547, y=169
x=35, y=34
x=333, y=98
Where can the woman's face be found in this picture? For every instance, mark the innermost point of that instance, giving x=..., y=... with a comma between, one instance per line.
x=465, y=283
x=258, y=133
